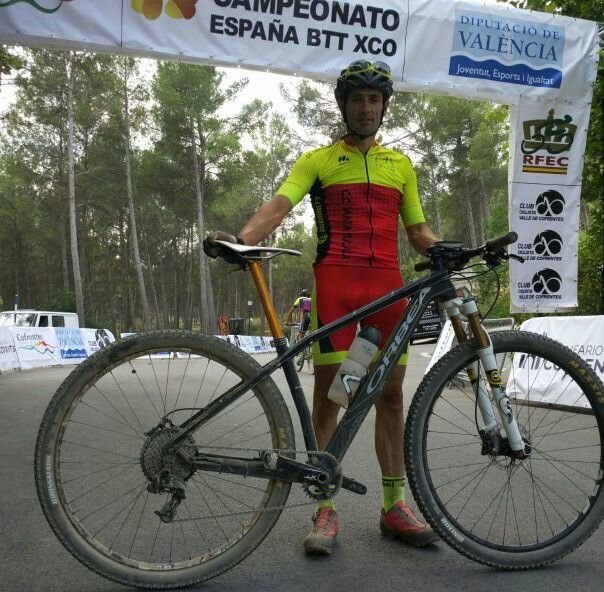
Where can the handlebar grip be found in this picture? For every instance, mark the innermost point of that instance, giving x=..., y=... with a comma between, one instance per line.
x=423, y=265
x=502, y=241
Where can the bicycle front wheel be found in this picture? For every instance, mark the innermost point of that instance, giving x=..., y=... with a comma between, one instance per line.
x=495, y=509
x=96, y=455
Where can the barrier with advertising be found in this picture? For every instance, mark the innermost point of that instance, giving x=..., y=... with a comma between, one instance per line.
x=543, y=64
x=37, y=347
x=584, y=335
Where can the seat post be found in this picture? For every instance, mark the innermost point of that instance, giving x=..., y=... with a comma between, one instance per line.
x=265, y=299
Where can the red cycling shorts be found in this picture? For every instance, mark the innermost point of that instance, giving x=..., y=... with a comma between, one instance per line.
x=340, y=290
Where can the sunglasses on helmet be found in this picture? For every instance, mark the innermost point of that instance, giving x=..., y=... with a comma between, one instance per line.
x=362, y=66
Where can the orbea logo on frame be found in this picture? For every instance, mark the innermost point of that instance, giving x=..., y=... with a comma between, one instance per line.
x=507, y=50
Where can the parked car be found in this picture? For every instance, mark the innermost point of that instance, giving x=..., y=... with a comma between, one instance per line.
x=38, y=318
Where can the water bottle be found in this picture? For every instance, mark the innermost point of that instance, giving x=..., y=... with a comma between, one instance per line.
x=354, y=367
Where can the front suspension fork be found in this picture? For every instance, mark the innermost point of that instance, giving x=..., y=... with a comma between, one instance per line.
x=467, y=306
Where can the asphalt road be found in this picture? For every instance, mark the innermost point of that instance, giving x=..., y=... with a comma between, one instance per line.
x=32, y=559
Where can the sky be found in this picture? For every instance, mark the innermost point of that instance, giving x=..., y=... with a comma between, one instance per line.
x=262, y=85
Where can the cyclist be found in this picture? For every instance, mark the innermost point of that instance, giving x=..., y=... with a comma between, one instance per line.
x=358, y=190
x=303, y=303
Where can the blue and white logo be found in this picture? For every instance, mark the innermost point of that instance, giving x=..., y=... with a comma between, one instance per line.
x=508, y=50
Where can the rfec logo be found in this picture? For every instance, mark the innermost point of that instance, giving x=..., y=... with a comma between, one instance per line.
x=177, y=9
x=46, y=6
x=551, y=136
x=503, y=49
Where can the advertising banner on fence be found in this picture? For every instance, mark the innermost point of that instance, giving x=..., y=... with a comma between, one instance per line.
x=8, y=351
x=95, y=339
x=584, y=335
x=36, y=347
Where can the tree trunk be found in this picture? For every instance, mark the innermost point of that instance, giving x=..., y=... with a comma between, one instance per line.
x=75, y=259
x=206, y=303
x=468, y=205
x=133, y=232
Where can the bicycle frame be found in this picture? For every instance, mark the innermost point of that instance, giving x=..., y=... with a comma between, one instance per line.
x=435, y=285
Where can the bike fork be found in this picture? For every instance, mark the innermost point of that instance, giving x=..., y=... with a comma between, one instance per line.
x=467, y=306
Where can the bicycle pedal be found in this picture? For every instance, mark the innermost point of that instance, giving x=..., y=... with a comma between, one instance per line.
x=354, y=486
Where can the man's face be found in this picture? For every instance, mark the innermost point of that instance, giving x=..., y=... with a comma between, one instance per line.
x=364, y=110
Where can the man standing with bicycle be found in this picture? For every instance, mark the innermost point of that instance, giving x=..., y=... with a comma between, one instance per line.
x=358, y=190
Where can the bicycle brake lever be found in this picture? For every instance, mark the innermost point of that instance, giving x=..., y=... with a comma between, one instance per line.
x=515, y=257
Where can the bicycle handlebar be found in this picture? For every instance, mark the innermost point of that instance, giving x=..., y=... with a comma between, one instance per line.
x=454, y=256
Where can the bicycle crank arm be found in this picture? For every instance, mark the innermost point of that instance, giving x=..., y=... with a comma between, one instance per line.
x=270, y=466
x=354, y=486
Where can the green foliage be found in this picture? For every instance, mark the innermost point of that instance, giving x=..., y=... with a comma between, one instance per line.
x=459, y=149
x=62, y=300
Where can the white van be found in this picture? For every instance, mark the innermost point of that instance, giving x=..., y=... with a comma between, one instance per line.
x=38, y=318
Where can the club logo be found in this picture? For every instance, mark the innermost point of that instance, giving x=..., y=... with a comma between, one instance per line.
x=546, y=282
x=550, y=204
x=552, y=136
x=547, y=243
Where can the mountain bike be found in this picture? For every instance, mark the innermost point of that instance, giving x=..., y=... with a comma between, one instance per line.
x=305, y=355
x=162, y=471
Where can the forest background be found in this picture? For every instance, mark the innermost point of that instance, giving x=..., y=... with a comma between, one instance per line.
x=112, y=172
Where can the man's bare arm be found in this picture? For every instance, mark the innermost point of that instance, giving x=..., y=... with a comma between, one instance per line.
x=421, y=237
x=265, y=220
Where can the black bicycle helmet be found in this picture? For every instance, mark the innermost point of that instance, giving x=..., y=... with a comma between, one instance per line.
x=364, y=74
x=305, y=293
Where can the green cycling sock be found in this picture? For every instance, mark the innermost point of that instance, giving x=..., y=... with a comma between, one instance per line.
x=393, y=490
x=328, y=503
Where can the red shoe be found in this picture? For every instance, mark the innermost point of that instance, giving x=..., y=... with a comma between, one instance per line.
x=321, y=538
x=400, y=523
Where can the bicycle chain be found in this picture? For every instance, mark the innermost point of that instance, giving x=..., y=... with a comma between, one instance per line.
x=265, y=509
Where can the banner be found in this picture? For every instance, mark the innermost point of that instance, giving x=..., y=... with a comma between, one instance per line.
x=549, y=141
x=584, y=335
x=476, y=50
x=36, y=347
x=8, y=351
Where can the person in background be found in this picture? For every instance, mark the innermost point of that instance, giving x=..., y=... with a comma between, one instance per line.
x=303, y=304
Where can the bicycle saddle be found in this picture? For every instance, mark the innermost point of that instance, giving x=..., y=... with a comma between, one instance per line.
x=238, y=254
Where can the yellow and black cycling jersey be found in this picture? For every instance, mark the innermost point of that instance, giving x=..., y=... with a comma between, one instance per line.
x=357, y=199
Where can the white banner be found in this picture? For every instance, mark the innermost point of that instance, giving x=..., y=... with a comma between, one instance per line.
x=467, y=48
x=547, y=160
x=8, y=351
x=251, y=344
x=584, y=335
x=36, y=347
x=95, y=339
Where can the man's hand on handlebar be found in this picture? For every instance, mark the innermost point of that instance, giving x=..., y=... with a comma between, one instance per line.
x=210, y=249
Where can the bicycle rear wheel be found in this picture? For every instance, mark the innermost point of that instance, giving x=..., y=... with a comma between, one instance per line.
x=95, y=455
x=500, y=511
